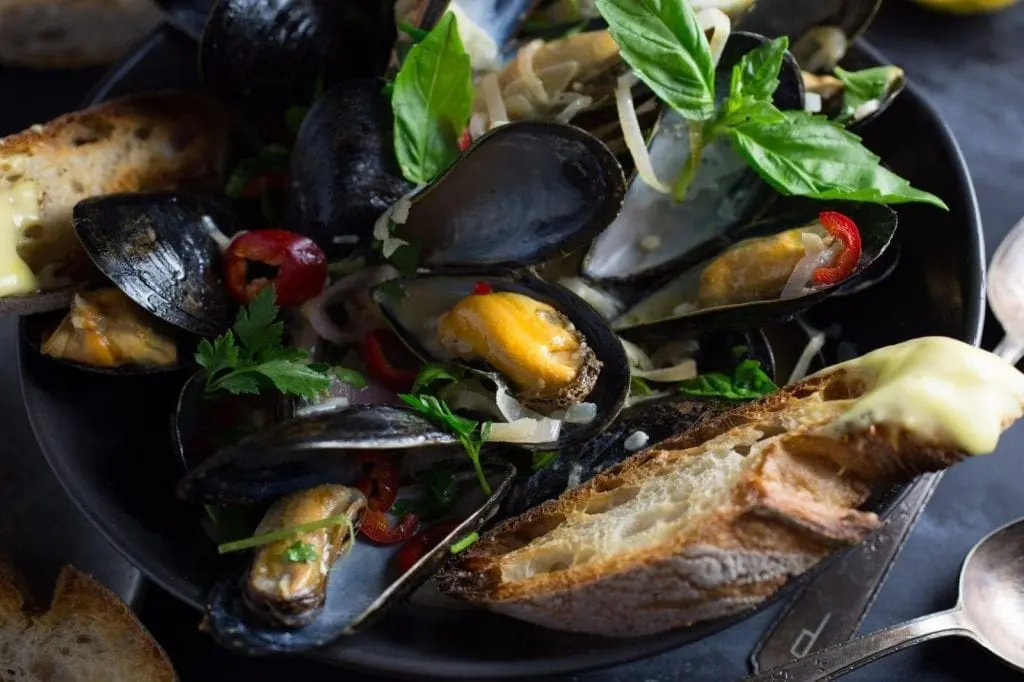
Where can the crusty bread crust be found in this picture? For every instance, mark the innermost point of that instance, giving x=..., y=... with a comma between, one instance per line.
x=67, y=34
x=88, y=635
x=151, y=142
x=655, y=543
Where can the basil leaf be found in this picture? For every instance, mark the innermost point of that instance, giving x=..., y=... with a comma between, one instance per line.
x=747, y=381
x=431, y=373
x=757, y=73
x=665, y=46
x=638, y=386
x=543, y=459
x=812, y=157
x=432, y=100
x=746, y=110
x=864, y=86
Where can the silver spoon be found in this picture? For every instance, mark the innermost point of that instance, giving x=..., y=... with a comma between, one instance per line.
x=1006, y=293
x=990, y=611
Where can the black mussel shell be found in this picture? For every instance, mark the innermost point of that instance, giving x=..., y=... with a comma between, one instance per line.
x=188, y=15
x=265, y=56
x=307, y=451
x=343, y=168
x=204, y=423
x=523, y=193
x=726, y=192
x=35, y=328
x=794, y=18
x=362, y=586
x=158, y=249
x=658, y=418
x=655, y=316
x=413, y=305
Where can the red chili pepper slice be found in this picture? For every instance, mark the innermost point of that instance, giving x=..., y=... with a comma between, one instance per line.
x=263, y=182
x=380, y=485
x=387, y=360
x=294, y=264
x=482, y=288
x=465, y=140
x=422, y=543
x=377, y=527
x=845, y=230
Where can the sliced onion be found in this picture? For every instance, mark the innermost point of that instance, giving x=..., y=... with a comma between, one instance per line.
x=799, y=279
x=812, y=102
x=803, y=363
x=687, y=369
x=720, y=25
x=606, y=305
x=633, y=135
x=492, y=98
x=524, y=60
x=471, y=395
x=636, y=356
x=575, y=103
x=527, y=431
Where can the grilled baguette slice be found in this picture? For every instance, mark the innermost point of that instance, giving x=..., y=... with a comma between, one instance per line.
x=67, y=34
x=150, y=142
x=88, y=635
x=715, y=520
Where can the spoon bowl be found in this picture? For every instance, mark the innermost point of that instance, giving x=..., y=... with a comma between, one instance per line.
x=1005, y=291
x=990, y=611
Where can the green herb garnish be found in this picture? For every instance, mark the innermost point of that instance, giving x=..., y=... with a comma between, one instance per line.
x=432, y=100
x=301, y=553
x=795, y=152
x=432, y=373
x=286, y=534
x=351, y=377
x=464, y=542
x=472, y=434
x=251, y=356
x=860, y=87
x=746, y=382
x=441, y=496
x=543, y=459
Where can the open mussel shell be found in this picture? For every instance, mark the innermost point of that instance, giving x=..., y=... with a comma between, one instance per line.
x=343, y=168
x=523, y=193
x=797, y=18
x=362, y=586
x=307, y=451
x=653, y=420
x=654, y=234
x=661, y=315
x=292, y=45
x=160, y=250
x=413, y=306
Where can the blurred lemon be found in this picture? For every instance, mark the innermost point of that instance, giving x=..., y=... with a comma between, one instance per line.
x=966, y=6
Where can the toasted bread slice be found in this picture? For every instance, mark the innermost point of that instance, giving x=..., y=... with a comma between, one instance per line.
x=88, y=635
x=151, y=142
x=68, y=34
x=715, y=520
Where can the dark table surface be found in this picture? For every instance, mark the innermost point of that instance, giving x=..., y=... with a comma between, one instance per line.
x=973, y=69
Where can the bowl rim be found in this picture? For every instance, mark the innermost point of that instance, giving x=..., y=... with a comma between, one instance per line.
x=632, y=650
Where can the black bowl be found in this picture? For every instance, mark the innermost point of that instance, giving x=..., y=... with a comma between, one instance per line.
x=108, y=441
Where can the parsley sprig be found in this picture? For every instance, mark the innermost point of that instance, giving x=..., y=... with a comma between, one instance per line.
x=471, y=433
x=795, y=152
x=251, y=356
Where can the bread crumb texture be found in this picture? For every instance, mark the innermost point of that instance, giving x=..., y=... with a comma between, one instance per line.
x=87, y=635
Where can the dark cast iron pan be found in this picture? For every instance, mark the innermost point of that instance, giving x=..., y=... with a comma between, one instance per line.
x=107, y=439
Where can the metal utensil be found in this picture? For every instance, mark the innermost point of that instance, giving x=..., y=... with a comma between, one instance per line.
x=832, y=606
x=1006, y=293
x=990, y=611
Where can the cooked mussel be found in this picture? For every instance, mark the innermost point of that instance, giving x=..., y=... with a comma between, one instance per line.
x=870, y=92
x=343, y=168
x=162, y=251
x=654, y=234
x=287, y=581
x=767, y=276
x=292, y=45
x=521, y=194
x=553, y=348
x=104, y=331
x=361, y=586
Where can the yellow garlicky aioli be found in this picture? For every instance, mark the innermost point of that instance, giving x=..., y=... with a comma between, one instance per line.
x=19, y=209
x=938, y=388
x=524, y=339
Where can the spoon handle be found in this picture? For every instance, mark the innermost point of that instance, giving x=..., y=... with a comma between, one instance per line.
x=837, y=660
x=1010, y=349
